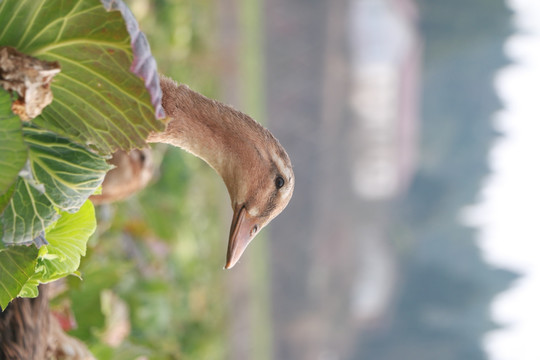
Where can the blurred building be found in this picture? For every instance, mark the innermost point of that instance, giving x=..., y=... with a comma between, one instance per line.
x=385, y=60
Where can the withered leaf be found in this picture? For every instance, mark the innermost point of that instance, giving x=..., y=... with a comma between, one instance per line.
x=30, y=78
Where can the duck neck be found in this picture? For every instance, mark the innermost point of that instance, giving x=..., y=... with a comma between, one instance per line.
x=212, y=131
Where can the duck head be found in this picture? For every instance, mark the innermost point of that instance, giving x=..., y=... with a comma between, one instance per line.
x=254, y=166
x=260, y=188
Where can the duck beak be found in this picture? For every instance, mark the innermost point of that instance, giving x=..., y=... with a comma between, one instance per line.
x=240, y=235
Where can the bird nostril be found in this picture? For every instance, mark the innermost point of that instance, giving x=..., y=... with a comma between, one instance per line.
x=254, y=230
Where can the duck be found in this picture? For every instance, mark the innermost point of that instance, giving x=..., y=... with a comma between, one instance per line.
x=254, y=166
x=133, y=170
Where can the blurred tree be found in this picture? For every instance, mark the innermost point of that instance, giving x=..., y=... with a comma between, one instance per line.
x=442, y=310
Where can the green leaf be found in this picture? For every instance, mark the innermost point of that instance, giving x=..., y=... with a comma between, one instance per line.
x=4, y=200
x=12, y=148
x=16, y=267
x=30, y=289
x=97, y=98
x=67, y=240
x=27, y=215
x=69, y=172
x=63, y=175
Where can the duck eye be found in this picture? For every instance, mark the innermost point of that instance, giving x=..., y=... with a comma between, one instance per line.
x=254, y=229
x=279, y=182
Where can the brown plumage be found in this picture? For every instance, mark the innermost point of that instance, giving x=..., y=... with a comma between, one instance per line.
x=254, y=166
x=132, y=172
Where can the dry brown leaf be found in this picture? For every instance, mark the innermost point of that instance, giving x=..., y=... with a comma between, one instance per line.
x=30, y=78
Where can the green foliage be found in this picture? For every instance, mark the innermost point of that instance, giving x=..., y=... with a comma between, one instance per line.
x=12, y=149
x=98, y=100
x=4, y=200
x=16, y=267
x=23, y=268
x=69, y=172
x=123, y=352
x=47, y=170
x=28, y=214
x=62, y=176
x=67, y=243
x=161, y=254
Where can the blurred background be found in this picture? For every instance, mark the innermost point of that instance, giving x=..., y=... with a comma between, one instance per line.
x=389, y=111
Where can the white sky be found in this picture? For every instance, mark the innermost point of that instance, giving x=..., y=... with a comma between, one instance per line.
x=509, y=213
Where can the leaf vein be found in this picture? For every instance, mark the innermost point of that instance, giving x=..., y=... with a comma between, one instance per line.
x=13, y=16
x=8, y=273
x=99, y=111
x=65, y=19
x=29, y=26
x=105, y=79
x=106, y=99
x=80, y=41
